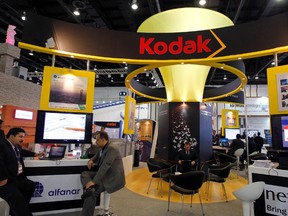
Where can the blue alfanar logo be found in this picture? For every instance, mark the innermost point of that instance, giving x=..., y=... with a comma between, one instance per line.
x=38, y=190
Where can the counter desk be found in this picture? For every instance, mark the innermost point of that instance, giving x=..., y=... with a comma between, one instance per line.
x=274, y=200
x=58, y=185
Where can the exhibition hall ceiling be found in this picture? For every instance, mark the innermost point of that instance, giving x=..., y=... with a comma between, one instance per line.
x=118, y=15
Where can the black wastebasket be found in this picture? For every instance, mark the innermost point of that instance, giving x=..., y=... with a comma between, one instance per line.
x=136, y=158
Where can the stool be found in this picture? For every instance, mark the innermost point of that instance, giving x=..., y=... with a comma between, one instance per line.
x=4, y=208
x=249, y=194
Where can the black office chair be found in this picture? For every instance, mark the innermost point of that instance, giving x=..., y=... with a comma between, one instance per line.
x=224, y=158
x=218, y=173
x=187, y=183
x=159, y=170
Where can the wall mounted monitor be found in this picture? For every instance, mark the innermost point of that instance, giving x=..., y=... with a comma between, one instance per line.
x=63, y=127
x=279, y=127
x=230, y=133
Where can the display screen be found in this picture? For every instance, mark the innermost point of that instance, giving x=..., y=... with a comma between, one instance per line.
x=279, y=128
x=230, y=133
x=284, y=125
x=63, y=127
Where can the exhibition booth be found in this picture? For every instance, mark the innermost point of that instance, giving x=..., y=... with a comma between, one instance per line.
x=65, y=115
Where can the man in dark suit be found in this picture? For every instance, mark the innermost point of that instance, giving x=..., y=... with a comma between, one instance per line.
x=2, y=134
x=259, y=142
x=236, y=144
x=187, y=158
x=106, y=173
x=15, y=188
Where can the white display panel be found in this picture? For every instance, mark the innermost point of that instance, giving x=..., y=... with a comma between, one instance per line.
x=230, y=133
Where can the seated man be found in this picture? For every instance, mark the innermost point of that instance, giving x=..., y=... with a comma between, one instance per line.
x=187, y=158
x=236, y=144
x=106, y=174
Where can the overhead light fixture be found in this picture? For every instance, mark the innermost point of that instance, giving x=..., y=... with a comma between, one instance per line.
x=147, y=74
x=122, y=75
x=31, y=53
x=202, y=2
x=225, y=77
x=23, y=17
x=109, y=75
x=134, y=5
x=76, y=12
x=256, y=77
x=273, y=63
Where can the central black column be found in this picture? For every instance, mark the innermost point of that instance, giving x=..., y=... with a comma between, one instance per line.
x=179, y=122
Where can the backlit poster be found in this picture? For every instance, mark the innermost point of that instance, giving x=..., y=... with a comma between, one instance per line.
x=67, y=90
x=144, y=138
x=129, y=118
x=282, y=90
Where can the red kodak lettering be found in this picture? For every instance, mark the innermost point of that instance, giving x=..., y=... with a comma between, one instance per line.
x=145, y=46
x=178, y=46
x=190, y=47
x=148, y=46
x=202, y=45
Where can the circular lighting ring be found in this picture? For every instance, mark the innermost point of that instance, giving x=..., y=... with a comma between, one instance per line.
x=235, y=67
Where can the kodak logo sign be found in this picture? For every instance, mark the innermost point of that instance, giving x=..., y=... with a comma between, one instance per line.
x=199, y=44
x=152, y=47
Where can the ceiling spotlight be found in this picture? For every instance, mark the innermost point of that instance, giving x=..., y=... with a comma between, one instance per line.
x=256, y=77
x=137, y=79
x=31, y=53
x=122, y=75
x=134, y=5
x=202, y=2
x=109, y=75
x=23, y=17
x=97, y=76
x=273, y=63
x=147, y=74
x=76, y=12
x=225, y=77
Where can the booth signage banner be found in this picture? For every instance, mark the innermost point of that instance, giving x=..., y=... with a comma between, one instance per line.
x=282, y=90
x=274, y=199
x=144, y=138
x=129, y=118
x=67, y=90
x=130, y=45
x=53, y=188
x=277, y=80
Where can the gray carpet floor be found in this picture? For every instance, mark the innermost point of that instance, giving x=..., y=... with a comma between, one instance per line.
x=128, y=203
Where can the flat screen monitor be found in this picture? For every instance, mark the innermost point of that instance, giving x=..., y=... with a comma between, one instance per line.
x=63, y=127
x=279, y=127
x=230, y=133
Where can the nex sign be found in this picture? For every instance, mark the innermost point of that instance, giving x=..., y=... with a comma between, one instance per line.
x=199, y=45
